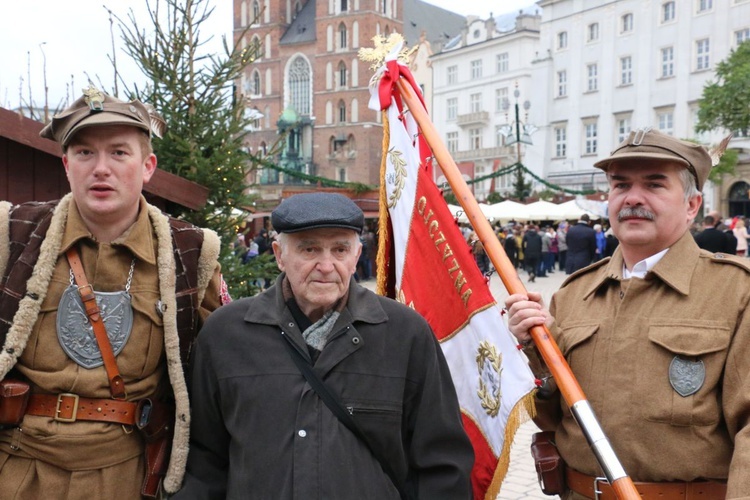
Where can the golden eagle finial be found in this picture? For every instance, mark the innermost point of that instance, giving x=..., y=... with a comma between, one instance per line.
x=383, y=47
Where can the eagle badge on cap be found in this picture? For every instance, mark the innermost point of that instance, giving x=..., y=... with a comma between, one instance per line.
x=94, y=98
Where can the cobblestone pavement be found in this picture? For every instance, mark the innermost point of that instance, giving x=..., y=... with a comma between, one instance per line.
x=521, y=482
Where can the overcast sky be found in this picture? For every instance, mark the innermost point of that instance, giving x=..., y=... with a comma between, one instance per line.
x=74, y=38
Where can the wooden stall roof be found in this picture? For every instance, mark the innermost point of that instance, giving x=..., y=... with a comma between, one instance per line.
x=170, y=187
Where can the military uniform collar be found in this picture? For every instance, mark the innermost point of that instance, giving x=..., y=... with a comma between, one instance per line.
x=675, y=269
x=138, y=238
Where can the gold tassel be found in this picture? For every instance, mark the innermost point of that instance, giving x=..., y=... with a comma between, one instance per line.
x=383, y=242
x=521, y=412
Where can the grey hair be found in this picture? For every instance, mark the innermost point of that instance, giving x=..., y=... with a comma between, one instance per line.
x=688, y=183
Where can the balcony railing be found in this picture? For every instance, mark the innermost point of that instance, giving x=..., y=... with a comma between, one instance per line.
x=476, y=118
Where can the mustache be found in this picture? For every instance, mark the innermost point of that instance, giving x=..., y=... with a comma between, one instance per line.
x=638, y=212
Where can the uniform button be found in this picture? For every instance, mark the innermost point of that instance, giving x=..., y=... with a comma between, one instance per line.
x=302, y=433
x=622, y=294
x=291, y=325
x=355, y=340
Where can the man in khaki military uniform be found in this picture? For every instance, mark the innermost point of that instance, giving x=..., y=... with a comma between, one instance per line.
x=155, y=279
x=658, y=336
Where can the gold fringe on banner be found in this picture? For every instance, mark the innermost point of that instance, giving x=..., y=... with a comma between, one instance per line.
x=521, y=412
x=383, y=242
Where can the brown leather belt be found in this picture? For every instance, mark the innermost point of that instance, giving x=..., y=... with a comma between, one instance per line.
x=71, y=407
x=703, y=490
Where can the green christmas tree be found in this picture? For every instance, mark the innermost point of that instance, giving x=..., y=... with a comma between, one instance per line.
x=195, y=91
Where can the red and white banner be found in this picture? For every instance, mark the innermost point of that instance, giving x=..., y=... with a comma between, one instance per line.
x=425, y=262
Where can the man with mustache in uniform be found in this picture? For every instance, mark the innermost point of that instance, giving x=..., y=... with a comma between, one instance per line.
x=658, y=336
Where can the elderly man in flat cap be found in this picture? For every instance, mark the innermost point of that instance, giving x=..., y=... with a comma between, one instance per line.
x=101, y=296
x=319, y=389
x=658, y=336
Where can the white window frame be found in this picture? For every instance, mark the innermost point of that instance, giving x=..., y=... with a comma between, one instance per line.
x=592, y=77
x=592, y=32
x=451, y=75
x=626, y=23
x=561, y=141
x=475, y=102
x=703, y=6
x=451, y=108
x=667, y=64
x=665, y=121
x=475, y=139
x=623, y=127
x=668, y=11
x=476, y=69
x=503, y=62
x=741, y=35
x=451, y=141
x=501, y=95
x=562, y=83
x=591, y=133
x=562, y=40
x=626, y=70
x=703, y=54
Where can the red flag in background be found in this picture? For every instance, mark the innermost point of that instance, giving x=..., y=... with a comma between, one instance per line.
x=425, y=263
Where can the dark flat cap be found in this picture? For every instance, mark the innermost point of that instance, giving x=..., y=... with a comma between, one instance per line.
x=317, y=210
x=95, y=108
x=647, y=143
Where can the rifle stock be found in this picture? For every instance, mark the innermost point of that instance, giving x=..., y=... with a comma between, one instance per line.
x=550, y=352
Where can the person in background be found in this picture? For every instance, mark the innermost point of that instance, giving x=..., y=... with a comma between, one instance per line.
x=740, y=232
x=259, y=428
x=601, y=242
x=581, y=241
x=658, y=336
x=562, y=244
x=155, y=280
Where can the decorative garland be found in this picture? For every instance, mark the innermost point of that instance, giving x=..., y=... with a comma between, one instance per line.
x=360, y=187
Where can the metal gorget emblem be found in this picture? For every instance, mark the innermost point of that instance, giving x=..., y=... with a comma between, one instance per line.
x=686, y=376
x=75, y=333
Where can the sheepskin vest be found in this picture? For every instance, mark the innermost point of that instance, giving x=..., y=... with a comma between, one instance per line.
x=28, y=225
x=187, y=256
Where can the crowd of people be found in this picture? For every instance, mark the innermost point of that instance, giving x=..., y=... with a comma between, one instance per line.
x=540, y=249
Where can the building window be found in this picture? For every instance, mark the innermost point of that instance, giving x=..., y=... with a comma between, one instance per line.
x=255, y=83
x=592, y=77
x=451, y=108
x=475, y=101
x=502, y=62
x=591, y=135
x=342, y=112
x=475, y=139
x=476, y=69
x=702, y=56
x=451, y=141
x=501, y=95
x=344, y=5
x=562, y=40
x=342, y=36
x=299, y=86
x=562, y=83
x=561, y=141
x=667, y=62
x=592, y=33
x=623, y=129
x=499, y=136
x=342, y=74
x=256, y=12
x=626, y=23
x=667, y=12
x=705, y=5
x=742, y=35
x=626, y=70
x=666, y=122
x=452, y=73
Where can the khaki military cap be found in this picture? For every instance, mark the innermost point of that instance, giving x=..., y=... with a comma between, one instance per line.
x=647, y=143
x=95, y=108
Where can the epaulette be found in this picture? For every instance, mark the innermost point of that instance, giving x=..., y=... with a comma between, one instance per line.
x=585, y=270
x=725, y=258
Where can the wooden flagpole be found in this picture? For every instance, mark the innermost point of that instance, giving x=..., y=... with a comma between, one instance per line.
x=558, y=366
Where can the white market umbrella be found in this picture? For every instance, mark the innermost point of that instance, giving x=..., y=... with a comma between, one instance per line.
x=544, y=210
x=508, y=210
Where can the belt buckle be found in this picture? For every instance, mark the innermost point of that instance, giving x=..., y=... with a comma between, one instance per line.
x=597, y=491
x=60, y=397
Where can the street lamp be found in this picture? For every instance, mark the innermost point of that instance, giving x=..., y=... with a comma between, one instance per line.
x=517, y=133
x=521, y=131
